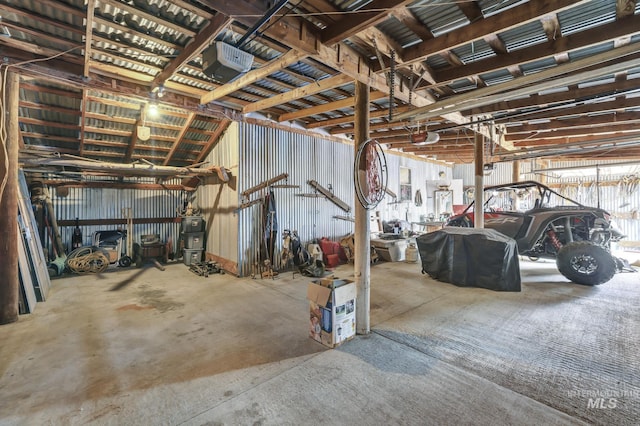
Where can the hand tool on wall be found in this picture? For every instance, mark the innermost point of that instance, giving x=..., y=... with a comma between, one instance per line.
x=335, y=200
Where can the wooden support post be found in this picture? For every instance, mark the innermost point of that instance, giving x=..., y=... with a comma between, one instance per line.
x=9, y=281
x=478, y=206
x=516, y=171
x=362, y=239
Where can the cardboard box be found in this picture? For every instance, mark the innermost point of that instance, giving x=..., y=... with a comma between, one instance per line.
x=332, y=310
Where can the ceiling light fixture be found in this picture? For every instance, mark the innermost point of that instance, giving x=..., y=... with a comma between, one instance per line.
x=153, y=109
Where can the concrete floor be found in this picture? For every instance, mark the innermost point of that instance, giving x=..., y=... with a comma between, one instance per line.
x=141, y=346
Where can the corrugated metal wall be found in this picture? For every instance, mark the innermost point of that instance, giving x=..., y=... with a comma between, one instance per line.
x=107, y=203
x=502, y=173
x=219, y=202
x=579, y=185
x=267, y=152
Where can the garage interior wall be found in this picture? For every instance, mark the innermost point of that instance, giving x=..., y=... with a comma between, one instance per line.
x=107, y=203
x=578, y=184
x=218, y=202
x=255, y=154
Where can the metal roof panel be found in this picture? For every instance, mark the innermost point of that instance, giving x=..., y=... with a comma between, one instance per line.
x=588, y=15
x=440, y=16
x=526, y=35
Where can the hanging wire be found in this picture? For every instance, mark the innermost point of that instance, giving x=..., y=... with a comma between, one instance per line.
x=370, y=188
x=392, y=83
x=3, y=129
x=278, y=18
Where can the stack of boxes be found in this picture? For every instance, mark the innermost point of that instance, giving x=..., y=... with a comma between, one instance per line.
x=192, y=236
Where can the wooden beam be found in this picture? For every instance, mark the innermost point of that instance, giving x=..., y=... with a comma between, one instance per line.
x=37, y=122
x=600, y=91
x=41, y=51
x=297, y=34
x=557, y=45
x=139, y=169
x=471, y=10
x=46, y=21
x=134, y=91
x=52, y=108
x=289, y=31
x=571, y=132
x=587, y=108
x=407, y=18
x=134, y=135
x=351, y=118
x=88, y=36
x=390, y=134
x=545, y=80
x=53, y=91
x=194, y=47
x=213, y=140
x=517, y=16
x=111, y=222
x=332, y=106
x=10, y=288
x=362, y=237
x=178, y=140
x=348, y=130
x=586, y=121
x=42, y=136
x=352, y=23
x=41, y=35
x=300, y=92
x=123, y=73
x=83, y=121
x=292, y=56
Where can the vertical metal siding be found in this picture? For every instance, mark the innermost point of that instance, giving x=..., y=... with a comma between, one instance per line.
x=107, y=203
x=256, y=154
x=502, y=173
x=219, y=202
x=266, y=152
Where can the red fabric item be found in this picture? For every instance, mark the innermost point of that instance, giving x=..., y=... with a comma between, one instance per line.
x=333, y=260
x=327, y=248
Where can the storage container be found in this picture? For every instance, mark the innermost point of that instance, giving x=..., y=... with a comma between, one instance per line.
x=192, y=224
x=411, y=253
x=193, y=240
x=190, y=256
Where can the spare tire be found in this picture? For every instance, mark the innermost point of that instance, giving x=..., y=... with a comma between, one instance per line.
x=586, y=263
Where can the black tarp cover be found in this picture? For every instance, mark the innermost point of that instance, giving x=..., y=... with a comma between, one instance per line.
x=469, y=257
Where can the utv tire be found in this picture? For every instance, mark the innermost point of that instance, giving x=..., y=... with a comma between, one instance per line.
x=586, y=263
